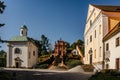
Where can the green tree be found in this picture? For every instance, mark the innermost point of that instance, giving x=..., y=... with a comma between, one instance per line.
x=68, y=47
x=79, y=43
x=2, y=58
x=67, y=44
x=2, y=52
x=2, y=8
x=73, y=45
x=45, y=47
x=44, y=44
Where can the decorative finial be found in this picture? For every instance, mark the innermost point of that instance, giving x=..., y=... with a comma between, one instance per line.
x=60, y=39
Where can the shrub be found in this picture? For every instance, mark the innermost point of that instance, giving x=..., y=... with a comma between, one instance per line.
x=73, y=63
x=109, y=74
x=88, y=68
x=42, y=66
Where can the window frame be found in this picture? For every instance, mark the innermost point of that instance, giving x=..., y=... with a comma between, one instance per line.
x=90, y=38
x=117, y=41
x=100, y=53
x=100, y=29
x=33, y=53
x=17, y=51
x=107, y=46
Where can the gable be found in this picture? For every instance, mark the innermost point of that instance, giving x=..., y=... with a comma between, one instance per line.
x=90, y=9
x=93, y=13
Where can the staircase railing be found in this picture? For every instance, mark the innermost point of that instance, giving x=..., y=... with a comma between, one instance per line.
x=97, y=68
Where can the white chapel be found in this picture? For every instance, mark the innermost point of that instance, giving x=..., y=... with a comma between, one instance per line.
x=21, y=51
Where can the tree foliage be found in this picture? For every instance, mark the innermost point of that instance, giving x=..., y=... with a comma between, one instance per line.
x=44, y=46
x=2, y=8
x=79, y=43
x=2, y=58
x=67, y=44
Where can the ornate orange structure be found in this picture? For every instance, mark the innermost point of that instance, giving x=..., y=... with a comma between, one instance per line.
x=59, y=52
x=60, y=48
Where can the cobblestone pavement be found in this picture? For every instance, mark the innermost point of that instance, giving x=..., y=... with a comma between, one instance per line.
x=41, y=74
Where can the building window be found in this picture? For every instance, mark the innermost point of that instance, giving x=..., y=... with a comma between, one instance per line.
x=91, y=38
x=22, y=31
x=90, y=22
x=17, y=51
x=99, y=29
x=117, y=41
x=33, y=53
x=26, y=33
x=95, y=33
x=95, y=53
x=100, y=52
x=107, y=46
x=117, y=63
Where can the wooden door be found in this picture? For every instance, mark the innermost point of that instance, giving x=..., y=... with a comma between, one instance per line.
x=117, y=63
x=91, y=59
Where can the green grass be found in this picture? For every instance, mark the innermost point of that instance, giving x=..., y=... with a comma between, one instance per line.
x=42, y=66
x=43, y=58
x=73, y=62
x=44, y=61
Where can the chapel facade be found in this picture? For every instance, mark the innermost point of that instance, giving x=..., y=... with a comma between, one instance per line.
x=21, y=51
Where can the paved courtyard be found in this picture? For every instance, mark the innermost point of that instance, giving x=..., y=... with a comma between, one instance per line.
x=44, y=74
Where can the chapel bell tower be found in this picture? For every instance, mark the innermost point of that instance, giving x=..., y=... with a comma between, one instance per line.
x=23, y=30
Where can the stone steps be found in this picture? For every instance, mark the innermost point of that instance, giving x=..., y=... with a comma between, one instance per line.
x=76, y=69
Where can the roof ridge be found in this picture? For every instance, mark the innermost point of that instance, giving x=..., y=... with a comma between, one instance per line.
x=105, y=5
x=108, y=8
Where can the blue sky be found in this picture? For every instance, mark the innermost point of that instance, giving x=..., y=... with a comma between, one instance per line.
x=54, y=18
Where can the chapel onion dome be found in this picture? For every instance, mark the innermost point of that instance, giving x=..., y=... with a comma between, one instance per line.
x=24, y=27
x=23, y=30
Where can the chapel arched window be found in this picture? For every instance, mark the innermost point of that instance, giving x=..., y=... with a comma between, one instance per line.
x=17, y=51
